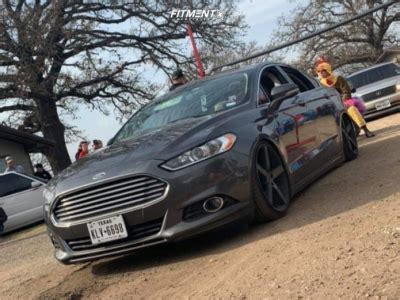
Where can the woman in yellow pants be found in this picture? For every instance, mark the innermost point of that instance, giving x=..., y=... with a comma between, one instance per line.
x=328, y=79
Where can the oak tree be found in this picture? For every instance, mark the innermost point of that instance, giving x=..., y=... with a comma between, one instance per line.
x=57, y=55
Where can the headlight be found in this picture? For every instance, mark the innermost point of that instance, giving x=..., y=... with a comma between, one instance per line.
x=48, y=196
x=398, y=87
x=203, y=152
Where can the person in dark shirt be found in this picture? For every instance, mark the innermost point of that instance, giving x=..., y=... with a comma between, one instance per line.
x=178, y=79
x=41, y=172
x=97, y=144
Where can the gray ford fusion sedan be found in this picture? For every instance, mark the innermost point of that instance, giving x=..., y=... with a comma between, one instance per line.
x=236, y=145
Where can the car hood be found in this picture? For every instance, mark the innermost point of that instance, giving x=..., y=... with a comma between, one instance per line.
x=125, y=157
x=378, y=85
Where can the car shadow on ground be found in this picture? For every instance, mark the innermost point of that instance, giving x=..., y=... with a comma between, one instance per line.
x=22, y=233
x=327, y=197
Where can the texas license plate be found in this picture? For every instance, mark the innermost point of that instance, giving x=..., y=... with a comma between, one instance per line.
x=107, y=230
x=382, y=104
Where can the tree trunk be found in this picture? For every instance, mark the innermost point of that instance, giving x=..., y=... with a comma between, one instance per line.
x=53, y=129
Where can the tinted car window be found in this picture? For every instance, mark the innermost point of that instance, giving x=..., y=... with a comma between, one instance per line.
x=262, y=96
x=270, y=78
x=299, y=79
x=200, y=99
x=2, y=165
x=13, y=183
x=373, y=75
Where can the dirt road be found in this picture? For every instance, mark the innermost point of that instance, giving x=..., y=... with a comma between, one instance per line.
x=341, y=238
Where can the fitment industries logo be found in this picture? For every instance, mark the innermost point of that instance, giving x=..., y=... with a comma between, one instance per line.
x=196, y=13
x=184, y=9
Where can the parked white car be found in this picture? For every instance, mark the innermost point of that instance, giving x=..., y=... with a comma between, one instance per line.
x=379, y=87
x=21, y=197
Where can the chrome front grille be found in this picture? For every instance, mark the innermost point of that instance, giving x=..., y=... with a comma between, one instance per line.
x=380, y=93
x=107, y=197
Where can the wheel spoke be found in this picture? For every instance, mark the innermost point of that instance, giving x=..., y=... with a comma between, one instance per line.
x=346, y=135
x=267, y=161
x=352, y=144
x=281, y=195
x=262, y=170
x=278, y=171
x=350, y=141
x=270, y=193
x=348, y=128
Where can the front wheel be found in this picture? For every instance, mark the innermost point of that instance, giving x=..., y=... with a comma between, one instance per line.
x=270, y=183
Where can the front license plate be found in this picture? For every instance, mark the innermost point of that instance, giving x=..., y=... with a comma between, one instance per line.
x=382, y=104
x=107, y=230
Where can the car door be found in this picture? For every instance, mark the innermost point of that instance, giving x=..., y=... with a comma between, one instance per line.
x=297, y=134
x=21, y=200
x=321, y=108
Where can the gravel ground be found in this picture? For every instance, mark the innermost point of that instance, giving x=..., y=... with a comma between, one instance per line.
x=339, y=239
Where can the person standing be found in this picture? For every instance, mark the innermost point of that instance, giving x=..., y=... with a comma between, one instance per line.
x=84, y=150
x=329, y=79
x=97, y=144
x=78, y=152
x=178, y=79
x=12, y=167
x=41, y=172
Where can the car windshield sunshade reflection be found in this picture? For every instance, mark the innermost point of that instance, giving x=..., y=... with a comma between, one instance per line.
x=201, y=99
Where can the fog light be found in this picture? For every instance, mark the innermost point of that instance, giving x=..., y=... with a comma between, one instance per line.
x=53, y=240
x=213, y=205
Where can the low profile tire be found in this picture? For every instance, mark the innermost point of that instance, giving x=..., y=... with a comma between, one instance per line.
x=270, y=183
x=349, y=138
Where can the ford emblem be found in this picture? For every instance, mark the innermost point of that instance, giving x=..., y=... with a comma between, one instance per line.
x=99, y=176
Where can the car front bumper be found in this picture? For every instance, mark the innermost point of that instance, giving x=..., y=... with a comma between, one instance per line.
x=373, y=113
x=225, y=176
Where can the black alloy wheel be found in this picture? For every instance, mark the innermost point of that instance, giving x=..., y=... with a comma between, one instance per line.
x=271, y=184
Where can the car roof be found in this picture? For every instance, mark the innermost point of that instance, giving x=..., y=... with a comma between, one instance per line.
x=234, y=70
x=371, y=68
x=251, y=67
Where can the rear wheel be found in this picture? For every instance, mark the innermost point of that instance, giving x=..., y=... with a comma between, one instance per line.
x=271, y=188
x=349, y=139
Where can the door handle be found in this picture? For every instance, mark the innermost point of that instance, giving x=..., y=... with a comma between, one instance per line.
x=301, y=102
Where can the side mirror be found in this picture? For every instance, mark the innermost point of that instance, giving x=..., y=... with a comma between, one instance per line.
x=284, y=91
x=110, y=141
x=35, y=184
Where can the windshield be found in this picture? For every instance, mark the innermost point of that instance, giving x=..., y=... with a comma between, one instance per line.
x=203, y=98
x=374, y=75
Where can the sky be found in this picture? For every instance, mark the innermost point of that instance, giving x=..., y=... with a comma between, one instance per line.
x=260, y=15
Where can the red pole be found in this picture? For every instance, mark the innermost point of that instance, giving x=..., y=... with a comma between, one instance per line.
x=200, y=69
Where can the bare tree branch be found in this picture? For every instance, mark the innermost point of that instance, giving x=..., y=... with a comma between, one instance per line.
x=56, y=55
x=362, y=41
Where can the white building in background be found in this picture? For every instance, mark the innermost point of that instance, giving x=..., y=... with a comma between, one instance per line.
x=19, y=145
